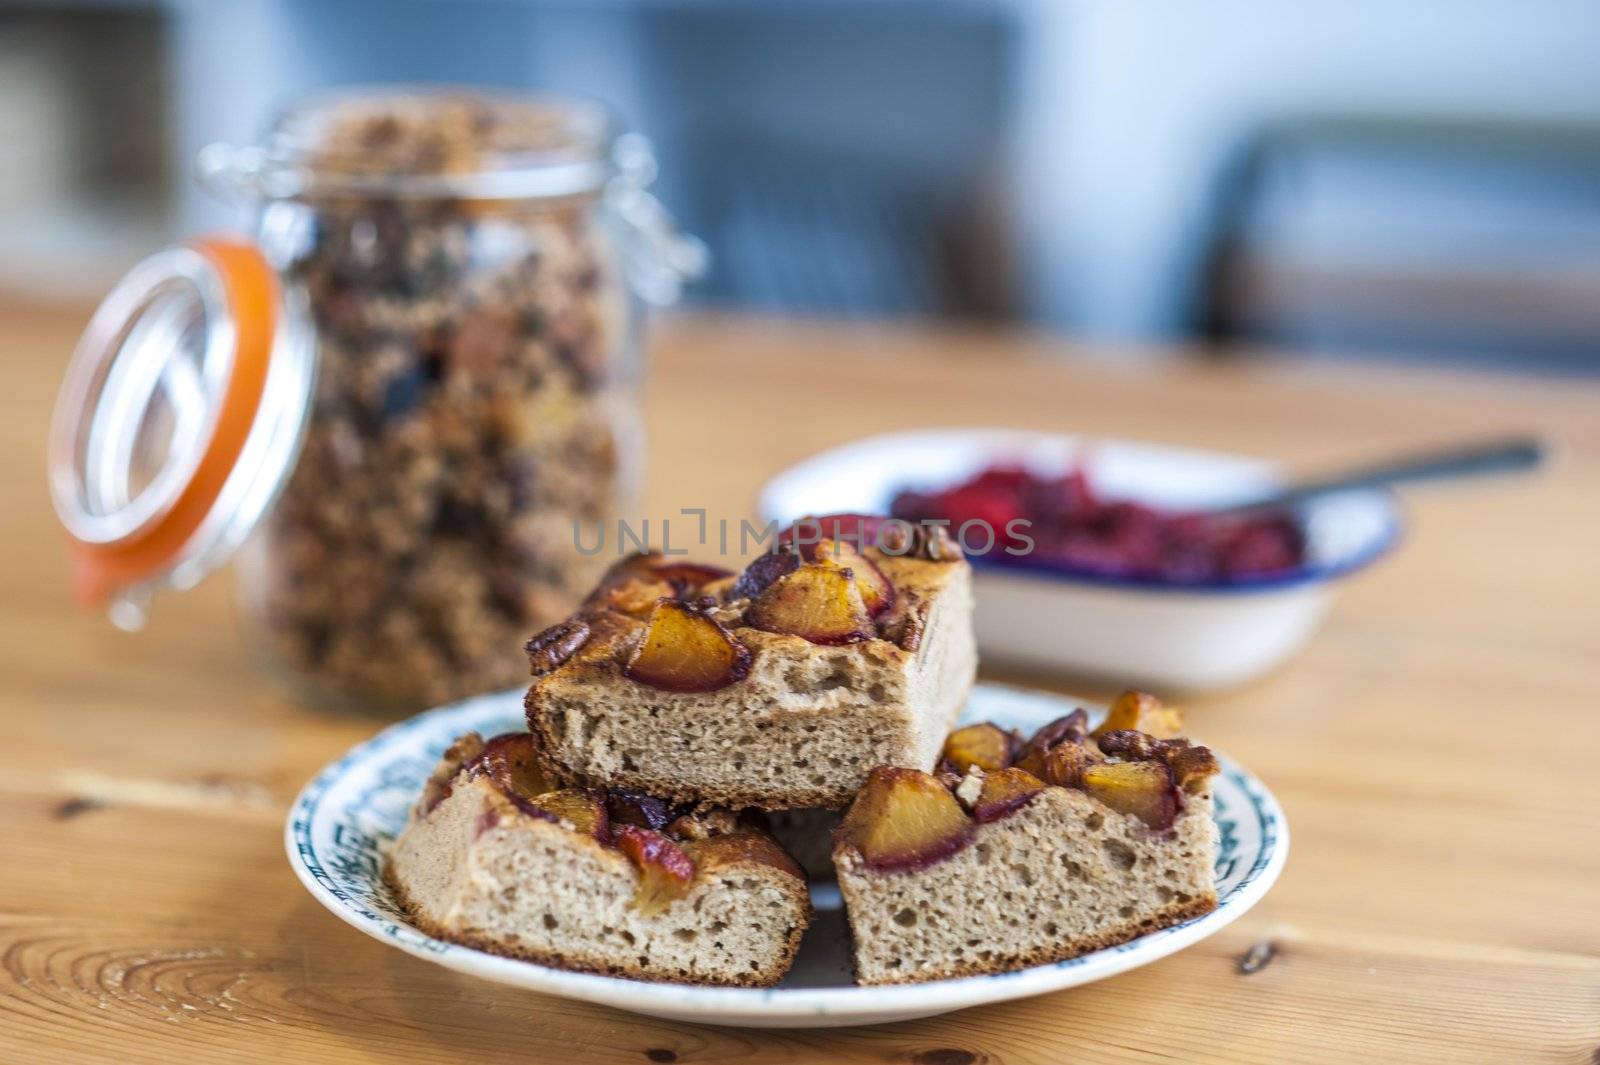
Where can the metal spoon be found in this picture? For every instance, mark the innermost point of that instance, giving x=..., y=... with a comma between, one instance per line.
x=1467, y=460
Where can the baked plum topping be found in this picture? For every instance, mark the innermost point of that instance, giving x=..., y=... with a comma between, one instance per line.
x=1005, y=791
x=904, y=819
x=1144, y=789
x=1070, y=526
x=1071, y=728
x=713, y=852
x=1065, y=762
x=987, y=746
x=1192, y=765
x=763, y=570
x=665, y=871
x=636, y=597
x=703, y=823
x=1141, y=712
x=637, y=808
x=877, y=594
x=582, y=808
x=511, y=761
x=819, y=602
x=632, y=585
x=637, y=568
x=684, y=649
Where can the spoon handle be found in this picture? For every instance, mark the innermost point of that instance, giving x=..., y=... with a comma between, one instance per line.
x=1497, y=456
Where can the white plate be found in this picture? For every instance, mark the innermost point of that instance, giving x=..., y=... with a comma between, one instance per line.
x=341, y=823
x=1147, y=632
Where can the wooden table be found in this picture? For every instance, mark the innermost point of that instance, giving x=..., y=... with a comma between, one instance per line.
x=1437, y=750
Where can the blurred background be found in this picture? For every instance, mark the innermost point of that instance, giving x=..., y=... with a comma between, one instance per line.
x=1343, y=178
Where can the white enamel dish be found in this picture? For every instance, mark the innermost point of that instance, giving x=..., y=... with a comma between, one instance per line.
x=340, y=824
x=1147, y=632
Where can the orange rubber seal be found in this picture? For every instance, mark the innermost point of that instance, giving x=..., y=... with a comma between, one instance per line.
x=252, y=294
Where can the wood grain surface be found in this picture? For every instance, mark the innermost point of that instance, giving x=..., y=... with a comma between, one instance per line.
x=1437, y=750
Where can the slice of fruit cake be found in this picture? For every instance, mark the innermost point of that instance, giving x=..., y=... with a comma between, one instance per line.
x=777, y=688
x=1016, y=853
x=611, y=882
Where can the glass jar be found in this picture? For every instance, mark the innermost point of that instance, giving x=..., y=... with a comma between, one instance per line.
x=461, y=266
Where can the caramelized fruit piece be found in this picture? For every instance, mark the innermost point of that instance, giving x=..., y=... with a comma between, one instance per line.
x=1071, y=728
x=550, y=648
x=637, y=808
x=877, y=594
x=1031, y=760
x=685, y=650
x=1144, y=789
x=1131, y=746
x=713, y=852
x=763, y=570
x=636, y=598
x=632, y=585
x=511, y=761
x=1065, y=763
x=703, y=824
x=665, y=871
x=986, y=746
x=1191, y=765
x=1004, y=791
x=633, y=569
x=585, y=810
x=817, y=601
x=904, y=819
x=1143, y=712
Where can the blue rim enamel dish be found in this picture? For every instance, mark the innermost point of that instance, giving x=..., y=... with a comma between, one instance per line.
x=339, y=828
x=1344, y=533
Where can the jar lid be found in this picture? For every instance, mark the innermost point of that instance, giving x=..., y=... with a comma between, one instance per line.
x=409, y=143
x=423, y=142
x=178, y=421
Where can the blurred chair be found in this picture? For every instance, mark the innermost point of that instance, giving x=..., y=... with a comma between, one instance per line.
x=1449, y=241
x=818, y=231
x=840, y=159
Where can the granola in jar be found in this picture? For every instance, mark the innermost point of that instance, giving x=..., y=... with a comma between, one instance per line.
x=473, y=398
